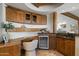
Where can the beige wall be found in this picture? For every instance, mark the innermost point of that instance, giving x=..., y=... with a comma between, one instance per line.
x=69, y=21
x=50, y=23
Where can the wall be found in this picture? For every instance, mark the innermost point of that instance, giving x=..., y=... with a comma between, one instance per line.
x=68, y=21
x=50, y=23
x=14, y=35
x=2, y=16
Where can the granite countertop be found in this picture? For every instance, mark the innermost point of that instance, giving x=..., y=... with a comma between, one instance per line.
x=76, y=34
x=61, y=35
x=69, y=38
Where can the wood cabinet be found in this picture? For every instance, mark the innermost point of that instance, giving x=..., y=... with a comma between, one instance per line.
x=52, y=42
x=14, y=15
x=60, y=45
x=69, y=47
x=34, y=18
x=39, y=19
x=10, y=14
x=44, y=20
x=11, y=49
x=65, y=46
x=27, y=17
x=20, y=16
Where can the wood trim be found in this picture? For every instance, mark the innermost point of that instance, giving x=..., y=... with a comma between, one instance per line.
x=54, y=21
x=71, y=15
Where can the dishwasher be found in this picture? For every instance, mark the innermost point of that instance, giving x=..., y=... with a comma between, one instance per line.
x=44, y=42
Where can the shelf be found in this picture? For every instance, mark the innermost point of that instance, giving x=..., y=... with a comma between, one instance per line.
x=24, y=30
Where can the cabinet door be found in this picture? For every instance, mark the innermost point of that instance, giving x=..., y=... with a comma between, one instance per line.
x=10, y=14
x=34, y=19
x=3, y=52
x=60, y=45
x=73, y=47
x=20, y=16
x=14, y=50
x=52, y=42
x=39, y=19
x=28, y=17
x=69, y=47
x=44, y=20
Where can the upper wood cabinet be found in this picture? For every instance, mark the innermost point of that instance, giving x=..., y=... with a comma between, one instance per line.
x=44, y=19
x=27, y=17
x=34, y=18
x=10, y=14
x=39, y=19
x=19, y=16
x=14, y=15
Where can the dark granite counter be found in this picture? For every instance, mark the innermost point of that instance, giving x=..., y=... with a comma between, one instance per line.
x=61, y=35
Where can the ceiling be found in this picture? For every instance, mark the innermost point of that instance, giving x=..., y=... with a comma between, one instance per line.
x=45, y=4
x=47, y=8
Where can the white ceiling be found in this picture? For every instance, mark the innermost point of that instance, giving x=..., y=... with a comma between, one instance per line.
x=47, y=9
x=67, y=7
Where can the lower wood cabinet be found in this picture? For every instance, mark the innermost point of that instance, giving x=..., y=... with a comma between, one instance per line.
x=52, y=42
x=10, y=49
x=14, y=50
x=60, y=45
x=65, y=46
x=69, y=47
